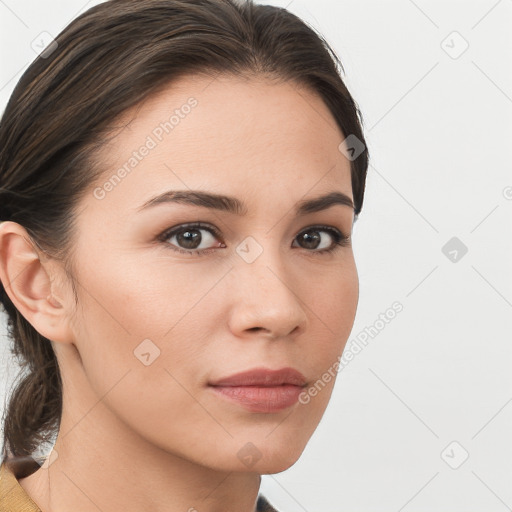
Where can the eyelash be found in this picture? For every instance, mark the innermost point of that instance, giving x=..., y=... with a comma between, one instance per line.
x=340, y=239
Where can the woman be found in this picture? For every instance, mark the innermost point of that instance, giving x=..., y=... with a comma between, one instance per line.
x=178, y=185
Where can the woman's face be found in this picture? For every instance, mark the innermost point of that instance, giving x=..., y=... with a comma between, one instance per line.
x=162, y=317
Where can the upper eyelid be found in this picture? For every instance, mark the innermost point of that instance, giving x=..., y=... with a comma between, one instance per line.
x=192, y=225
x=203, y=225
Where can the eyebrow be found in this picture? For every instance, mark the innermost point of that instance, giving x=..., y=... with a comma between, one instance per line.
x=233, y=205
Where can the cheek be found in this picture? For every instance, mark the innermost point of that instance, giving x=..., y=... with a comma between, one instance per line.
x=129, y=320
x=334, y=303
x=147, y=380
x=133, y=300
x=151, y=319
x=332, y=312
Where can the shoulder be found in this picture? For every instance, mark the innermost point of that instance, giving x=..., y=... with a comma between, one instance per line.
x=13, y=497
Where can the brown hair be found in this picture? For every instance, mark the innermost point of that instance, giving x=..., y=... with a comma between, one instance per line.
x=105, y=61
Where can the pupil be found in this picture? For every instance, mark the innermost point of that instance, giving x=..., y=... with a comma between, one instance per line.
x=314, y=238
x=191, y=238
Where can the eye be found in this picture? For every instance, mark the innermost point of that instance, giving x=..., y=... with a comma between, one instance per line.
x=188, y=236
x=311, y=238
x=187, y=239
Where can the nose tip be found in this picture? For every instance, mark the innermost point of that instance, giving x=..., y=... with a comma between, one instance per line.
x=265, y=304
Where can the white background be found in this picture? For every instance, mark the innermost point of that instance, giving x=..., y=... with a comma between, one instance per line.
x=439, y=131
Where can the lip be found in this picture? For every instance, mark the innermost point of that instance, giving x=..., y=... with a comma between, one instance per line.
x=262, y=390
x=263, y=377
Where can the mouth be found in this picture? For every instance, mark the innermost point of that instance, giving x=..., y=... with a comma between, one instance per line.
x=262, y=390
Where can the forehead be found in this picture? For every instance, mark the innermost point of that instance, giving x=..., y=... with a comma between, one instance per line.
x=213, y=133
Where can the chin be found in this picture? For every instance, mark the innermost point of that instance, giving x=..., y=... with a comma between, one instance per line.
x=272, y=465
x=273, y=457
x=263, y=457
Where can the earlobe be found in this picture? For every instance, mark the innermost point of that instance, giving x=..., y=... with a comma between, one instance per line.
x=27, y=282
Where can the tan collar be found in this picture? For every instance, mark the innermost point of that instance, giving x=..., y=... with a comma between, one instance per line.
x=13, y=497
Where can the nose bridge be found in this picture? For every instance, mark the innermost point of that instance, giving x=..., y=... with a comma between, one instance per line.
x=261, y=265
x=264, y=295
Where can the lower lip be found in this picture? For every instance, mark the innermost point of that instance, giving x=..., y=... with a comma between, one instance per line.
x=261, y=399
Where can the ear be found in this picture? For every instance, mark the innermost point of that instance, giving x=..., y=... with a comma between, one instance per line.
x=27, y=279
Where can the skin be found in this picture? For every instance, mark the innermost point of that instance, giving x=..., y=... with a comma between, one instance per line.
x=136, y=437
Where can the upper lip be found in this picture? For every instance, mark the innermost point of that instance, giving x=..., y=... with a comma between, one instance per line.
x=263, y=377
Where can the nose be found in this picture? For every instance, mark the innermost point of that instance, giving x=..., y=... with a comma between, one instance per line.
x=266, y=299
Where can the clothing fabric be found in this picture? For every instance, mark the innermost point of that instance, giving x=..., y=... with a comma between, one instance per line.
x=13, y=497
